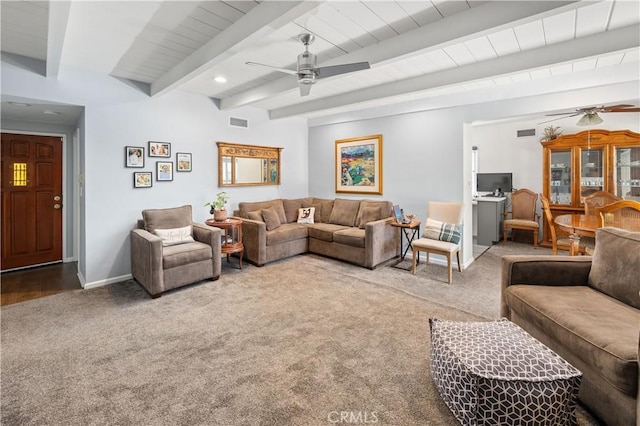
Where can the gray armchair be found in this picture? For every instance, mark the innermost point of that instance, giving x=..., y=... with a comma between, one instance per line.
x=168, y=250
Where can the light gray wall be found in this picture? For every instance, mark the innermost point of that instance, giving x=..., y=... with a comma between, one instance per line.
x=116, y=115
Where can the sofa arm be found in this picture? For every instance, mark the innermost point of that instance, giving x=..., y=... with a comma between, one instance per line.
x=254, y=239
x=381, y=241
x=542, y=270
x=211, y=236
x=146, y=260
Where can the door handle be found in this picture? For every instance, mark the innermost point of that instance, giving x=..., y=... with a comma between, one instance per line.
x=56, y=198
x=57, y=206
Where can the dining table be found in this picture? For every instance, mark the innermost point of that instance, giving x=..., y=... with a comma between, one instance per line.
x=582, y=225
x=577, y=225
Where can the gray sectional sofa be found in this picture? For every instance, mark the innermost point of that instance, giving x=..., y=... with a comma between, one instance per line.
x=587, y=309
x=355, y=231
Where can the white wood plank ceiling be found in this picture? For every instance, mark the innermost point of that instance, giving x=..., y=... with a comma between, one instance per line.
x=417, y=49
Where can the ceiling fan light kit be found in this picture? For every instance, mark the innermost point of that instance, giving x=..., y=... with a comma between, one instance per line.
x=307, y=70
x=589, y=120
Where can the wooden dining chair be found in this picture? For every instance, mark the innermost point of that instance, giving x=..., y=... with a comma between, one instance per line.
x=623, y=214
x=598, y=199
x=523, y=214
x=560, y=241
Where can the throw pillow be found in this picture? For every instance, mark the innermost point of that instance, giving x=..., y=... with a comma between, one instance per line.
x=271, y=218
x=306, y=214
x=171, y=237
x=317, y=217
x=368, y=214
x=436, y=230
x=256, y=215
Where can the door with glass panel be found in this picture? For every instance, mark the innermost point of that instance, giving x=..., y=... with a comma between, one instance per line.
x=626, y=172
x=591, y=172
x=560, y=177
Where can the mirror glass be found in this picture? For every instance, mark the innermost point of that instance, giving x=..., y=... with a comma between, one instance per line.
x=244, y=165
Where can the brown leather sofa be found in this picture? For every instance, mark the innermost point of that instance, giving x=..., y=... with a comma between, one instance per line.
x=587, y=309
x=355, y=231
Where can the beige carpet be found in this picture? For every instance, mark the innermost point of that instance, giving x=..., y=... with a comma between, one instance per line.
x=297, y=342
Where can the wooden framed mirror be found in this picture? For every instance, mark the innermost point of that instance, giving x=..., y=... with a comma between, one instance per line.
x=247, y=165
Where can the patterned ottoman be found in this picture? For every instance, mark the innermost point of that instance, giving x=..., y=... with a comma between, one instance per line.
x=494, y=373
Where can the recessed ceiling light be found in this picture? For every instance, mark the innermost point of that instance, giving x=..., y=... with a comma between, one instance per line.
x=20, y=104
x=219, y=79
x=48, y=111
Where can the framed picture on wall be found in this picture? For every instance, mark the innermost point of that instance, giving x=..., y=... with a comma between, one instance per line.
x=183, y=161
x=359, y=165
x=159, y=149
x=142, y=180
x=164, y=171
x=134, y=156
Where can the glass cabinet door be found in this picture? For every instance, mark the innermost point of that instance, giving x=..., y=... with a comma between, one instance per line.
x=626, y=177
x=560, y=177
x=591, y=172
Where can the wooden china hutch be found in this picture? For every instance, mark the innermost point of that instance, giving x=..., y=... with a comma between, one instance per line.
x=574, y=166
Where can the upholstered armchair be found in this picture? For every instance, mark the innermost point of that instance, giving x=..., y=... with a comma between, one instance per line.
x=168, y=250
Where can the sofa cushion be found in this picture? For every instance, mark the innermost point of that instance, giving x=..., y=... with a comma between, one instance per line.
x=598, y=329
x=246, y=207
x=386, y=208
x=285, y=233
x=171, y=237
x=368, y=214
x=177, y=217
x=615, y=266
x=306, y=214
x=291, y=209
x=324, y=231
x=353, y=237
x=344, y=212
x=256, y=215
x=327, y=207
x=183, y=254
x=270, y=218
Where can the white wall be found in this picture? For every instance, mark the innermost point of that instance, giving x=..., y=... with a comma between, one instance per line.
x=117, y=115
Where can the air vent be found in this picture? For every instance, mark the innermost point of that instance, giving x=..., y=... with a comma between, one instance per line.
x=526, y=132
x=238, y=122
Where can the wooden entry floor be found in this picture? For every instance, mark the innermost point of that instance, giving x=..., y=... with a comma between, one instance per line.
x=40, y=281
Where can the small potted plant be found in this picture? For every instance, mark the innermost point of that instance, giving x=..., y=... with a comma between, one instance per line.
x=218, y=206
x=551, y=133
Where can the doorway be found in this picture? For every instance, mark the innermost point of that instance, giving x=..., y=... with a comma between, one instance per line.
x=31, y=200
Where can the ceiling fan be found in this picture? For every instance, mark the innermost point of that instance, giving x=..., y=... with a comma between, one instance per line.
x=590, y=114
x=308, y=72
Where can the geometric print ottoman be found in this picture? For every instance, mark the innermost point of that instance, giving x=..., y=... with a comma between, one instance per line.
x=495, y=373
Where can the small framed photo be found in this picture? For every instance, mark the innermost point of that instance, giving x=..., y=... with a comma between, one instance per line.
x=142, y=180
x=134, y=156
x=159, y=149
x=164, y=171
x=183, y=161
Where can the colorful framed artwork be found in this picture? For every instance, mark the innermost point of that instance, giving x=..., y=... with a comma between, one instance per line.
x=359, y=165
x=164, y=171
x=134, y=156
x=183, y=161
x=159, y=149
x=142, y=180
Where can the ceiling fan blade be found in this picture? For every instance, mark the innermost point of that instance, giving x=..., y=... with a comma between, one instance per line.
x=284, y=70
x=607, y=108
x=556, y=119
x=610, y=109
x=563, y=113
x=305, y=89
x=329, y=71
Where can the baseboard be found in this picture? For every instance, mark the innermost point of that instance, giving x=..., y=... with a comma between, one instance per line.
x=108, y=281
x=83, y=282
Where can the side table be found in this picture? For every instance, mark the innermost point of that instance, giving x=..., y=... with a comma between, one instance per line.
x=231, y=236
x=408, y=231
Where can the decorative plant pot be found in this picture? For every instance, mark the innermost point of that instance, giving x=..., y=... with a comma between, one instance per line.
x=220, y=215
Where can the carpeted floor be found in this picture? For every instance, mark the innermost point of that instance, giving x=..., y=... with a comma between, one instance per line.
x=297, y=342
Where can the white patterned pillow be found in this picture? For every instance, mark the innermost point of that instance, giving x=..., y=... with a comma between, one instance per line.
x=306, y=214
x=436, y=230
x=171, y=237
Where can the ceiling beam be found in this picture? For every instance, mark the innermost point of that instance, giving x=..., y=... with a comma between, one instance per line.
x=457, y=28
x=260, y=21
x=597, y=44
x=57, y=28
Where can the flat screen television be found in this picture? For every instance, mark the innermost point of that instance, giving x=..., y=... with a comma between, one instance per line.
x=489, y=182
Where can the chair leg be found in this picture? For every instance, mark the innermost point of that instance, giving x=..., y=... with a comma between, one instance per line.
x=458, y=256
x=427, y=258
x=535, y=239
x=449, y=267
x=413, y=260
x=504, y=233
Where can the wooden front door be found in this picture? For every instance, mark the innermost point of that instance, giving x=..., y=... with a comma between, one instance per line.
x=31, y=200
